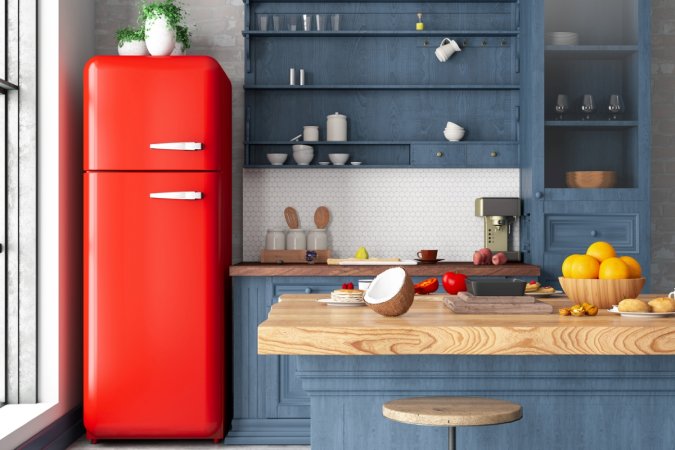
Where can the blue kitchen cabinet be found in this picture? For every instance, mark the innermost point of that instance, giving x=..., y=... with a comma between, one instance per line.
x=612, y=56
x=384, y=76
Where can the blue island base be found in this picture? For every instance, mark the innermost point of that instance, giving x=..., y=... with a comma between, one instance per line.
x=569, y=402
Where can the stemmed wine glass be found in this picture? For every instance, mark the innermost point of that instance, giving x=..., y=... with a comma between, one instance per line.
x=562, y=106
x=616, y=106
x=588, y=106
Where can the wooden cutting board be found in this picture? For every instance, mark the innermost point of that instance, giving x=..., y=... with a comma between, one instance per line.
x=469, y=297
x=292, y=256
x=459, y=306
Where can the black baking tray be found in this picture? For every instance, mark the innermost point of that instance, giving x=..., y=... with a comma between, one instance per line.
x=508, y=287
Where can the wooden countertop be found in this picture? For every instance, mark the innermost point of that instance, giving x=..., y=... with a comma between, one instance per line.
x=252, y=269
x=298, y=325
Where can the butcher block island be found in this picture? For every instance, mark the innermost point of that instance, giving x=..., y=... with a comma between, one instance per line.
x=602, y=382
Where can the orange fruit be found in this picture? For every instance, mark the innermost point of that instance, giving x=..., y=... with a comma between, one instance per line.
x=601, y=251
x=613, y=269
x=567, y=265
x=584, y=266
x=634, y=269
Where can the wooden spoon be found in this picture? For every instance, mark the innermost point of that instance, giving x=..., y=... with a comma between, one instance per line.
x=291, y=216
x=321, y=217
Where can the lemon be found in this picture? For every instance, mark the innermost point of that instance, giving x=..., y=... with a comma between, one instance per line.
x=613, y=269
x=601, y=251
x=567, y=265
x=634, y=269
x=584, y=266
x=361, y=253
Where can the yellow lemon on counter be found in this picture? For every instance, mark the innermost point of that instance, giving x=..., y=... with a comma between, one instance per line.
x=567, y=265
x=613, y=269
x=634, y=268
x=584, y=266
x=601, y=251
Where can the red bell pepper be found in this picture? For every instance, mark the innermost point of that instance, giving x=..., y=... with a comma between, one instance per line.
x=427, y=286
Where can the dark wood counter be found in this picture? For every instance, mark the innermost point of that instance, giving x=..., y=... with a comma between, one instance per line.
x=253, y=269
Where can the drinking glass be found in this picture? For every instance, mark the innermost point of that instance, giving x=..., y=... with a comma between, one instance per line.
x=277, y=22
x=587, y=106
x=335, y=22
x=292, y=22
x=616, y=106
x=321, y=21
x=262, y=22
x=562, y=106
x=307, y=22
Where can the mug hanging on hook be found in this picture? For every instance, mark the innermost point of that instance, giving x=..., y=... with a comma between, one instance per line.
x=447, y=48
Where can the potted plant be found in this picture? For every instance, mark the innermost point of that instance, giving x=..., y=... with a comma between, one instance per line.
x=131, y=41
x=182, y=41
x=161, y=20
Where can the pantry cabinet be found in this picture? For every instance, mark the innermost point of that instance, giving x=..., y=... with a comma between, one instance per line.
x=575, y=51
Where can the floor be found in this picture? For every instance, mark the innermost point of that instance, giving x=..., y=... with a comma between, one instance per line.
x=82, y=443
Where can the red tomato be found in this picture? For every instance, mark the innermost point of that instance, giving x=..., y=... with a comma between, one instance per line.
x=427, y=286
x=454, y=282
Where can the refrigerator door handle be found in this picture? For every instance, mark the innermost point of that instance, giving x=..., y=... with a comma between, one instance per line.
x=183, y=195
x=177, y=146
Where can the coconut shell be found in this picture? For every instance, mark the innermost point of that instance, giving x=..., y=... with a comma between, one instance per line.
x=399, y=304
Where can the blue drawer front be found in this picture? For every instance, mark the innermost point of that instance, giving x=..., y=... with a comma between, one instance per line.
x=438, y=155
x=498, y=155
x=574, y=233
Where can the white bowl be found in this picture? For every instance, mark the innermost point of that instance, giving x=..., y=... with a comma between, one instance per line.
x=453, y=135
x=277, y=159
x=452, y=126
x=339, y=159
x=302, y=147
x=303, y=157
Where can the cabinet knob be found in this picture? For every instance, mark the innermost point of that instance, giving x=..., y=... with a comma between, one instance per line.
x=594, y=233
x=439, y=154
x=493, y=154
x=308, y=290
x=539, y=194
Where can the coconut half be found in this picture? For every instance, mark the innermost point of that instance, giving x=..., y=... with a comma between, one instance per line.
x=391, y=293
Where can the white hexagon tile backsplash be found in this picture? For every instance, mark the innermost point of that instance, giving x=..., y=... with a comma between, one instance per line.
x=391, y=212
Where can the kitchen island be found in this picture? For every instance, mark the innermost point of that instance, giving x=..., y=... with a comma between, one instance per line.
x=590, y=382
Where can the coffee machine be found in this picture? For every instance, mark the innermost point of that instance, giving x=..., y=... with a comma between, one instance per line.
x=499, y=214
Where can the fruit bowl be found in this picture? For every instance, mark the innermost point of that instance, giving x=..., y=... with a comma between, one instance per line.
x=601, y=293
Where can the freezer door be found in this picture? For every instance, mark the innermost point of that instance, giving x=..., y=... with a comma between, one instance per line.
x=153, y=311
x=148, y=113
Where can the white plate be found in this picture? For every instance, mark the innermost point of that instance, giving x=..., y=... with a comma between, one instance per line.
x=330, y=302
x=615, y=310
x=543, y=294
x=323, y=163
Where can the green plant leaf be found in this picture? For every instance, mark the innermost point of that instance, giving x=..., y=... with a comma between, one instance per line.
x=129, y=34
x=168, y=9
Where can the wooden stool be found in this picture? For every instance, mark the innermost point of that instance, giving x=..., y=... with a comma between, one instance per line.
x=452, y=412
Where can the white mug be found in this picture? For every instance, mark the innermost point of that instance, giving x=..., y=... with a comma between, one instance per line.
x=447, y=48
x=672, y=295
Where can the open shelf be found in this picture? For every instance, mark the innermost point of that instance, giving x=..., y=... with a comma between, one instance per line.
x=378, y=33
x=405, y=87
x=591, y=123
x=591, y=51
x=478, y=143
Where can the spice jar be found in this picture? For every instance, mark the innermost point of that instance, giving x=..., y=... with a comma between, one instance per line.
x=317, y=239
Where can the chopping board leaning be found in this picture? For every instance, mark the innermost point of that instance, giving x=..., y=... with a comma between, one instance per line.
x=466, y=303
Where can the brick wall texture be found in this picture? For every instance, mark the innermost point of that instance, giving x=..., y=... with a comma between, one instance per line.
x=217, y=26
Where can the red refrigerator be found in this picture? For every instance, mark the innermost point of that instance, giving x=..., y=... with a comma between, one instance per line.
x=157, y=243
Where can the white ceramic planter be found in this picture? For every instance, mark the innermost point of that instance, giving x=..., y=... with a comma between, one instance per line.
x=133, y=48
x=160, y=38
x=178, y=50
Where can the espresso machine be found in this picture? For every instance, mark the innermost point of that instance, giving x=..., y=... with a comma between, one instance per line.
x=499, y=213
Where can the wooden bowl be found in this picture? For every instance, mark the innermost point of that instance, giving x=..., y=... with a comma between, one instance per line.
x=391, y=293
x=591, y=179
x=601, y=293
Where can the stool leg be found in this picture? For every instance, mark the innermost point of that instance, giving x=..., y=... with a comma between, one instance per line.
x=452, y=438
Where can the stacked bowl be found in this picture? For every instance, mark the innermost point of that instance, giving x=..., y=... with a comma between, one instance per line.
x=453, y=132
x=562, y=38
x=303, y=154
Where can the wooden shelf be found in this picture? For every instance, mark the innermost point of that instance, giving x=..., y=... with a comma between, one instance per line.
x=381, y=33
x=408, y=87
x=591, y=51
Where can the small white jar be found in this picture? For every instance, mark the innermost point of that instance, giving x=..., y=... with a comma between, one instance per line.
x=275, y=239
x=296, y=240
x=336, y=127
x=317, y=239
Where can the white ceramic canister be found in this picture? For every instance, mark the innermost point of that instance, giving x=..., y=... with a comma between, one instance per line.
x=317, y=239
x=296, y=240
x=275, y=239
x=310, y=133
x=336, y=127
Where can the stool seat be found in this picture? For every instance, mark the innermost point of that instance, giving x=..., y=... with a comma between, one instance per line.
x=452, y=411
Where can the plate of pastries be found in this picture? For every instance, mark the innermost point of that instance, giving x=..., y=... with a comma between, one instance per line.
x=634, y=307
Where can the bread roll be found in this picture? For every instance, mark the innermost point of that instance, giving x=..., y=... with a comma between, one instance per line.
x=633, y=305
x=662, y=304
